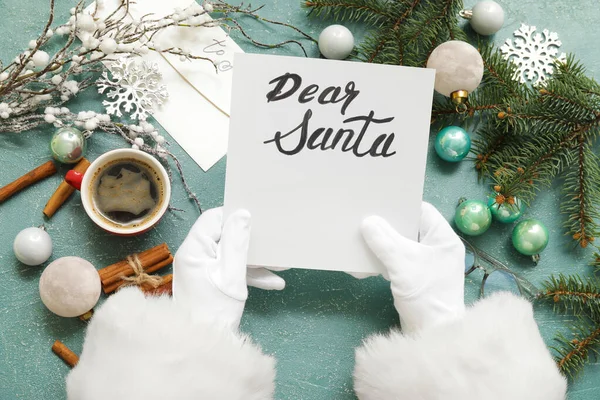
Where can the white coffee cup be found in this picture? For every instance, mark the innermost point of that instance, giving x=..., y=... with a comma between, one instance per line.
x=86, y=184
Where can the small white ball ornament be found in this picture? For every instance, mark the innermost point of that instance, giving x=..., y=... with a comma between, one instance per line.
x=70, y=286
x=33, y=246
x=336, y=42
x=459, y=69
x=486, y=18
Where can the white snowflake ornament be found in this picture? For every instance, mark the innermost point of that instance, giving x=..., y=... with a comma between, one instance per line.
x=533, y=53
x=133, y=86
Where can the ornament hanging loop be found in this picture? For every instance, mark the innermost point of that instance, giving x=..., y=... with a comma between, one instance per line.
x=462, y=108
x=466, y=14
x=459, y=98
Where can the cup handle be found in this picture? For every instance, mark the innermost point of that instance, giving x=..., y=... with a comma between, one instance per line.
x=74, y=179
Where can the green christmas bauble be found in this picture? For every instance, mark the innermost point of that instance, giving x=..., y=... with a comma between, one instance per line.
x=68, y=145
x=452, y=143
x=530, y=237
x=505, y=213
x=473, y=217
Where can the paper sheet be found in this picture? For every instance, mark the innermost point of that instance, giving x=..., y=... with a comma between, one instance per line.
x=308, y=188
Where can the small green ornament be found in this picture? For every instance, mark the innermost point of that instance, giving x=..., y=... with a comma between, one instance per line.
x=452, y=143
x=68, y=145
x=472, y=217
x=505, y=213
x=530, y=237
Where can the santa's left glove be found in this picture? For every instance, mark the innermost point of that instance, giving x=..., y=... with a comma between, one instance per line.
x=188, y=346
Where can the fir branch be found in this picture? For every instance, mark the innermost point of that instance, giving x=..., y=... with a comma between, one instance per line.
x=596, y=263
x=394, y=28
x=581, y=195
x=573, y=354
x=369, y=11
x=499, y=73
x=487, y=144
x=574, y=295
x=522, y=171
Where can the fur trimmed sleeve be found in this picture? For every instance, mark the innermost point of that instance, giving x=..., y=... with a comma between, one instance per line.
x=139, y=347
x=495, y=352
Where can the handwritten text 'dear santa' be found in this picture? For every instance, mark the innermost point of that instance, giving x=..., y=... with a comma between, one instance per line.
x=355, y=136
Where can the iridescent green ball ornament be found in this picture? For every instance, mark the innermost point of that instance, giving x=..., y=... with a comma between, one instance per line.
x=472, y=217
x=506, y=213
x=530, y=237
x=68, y=145
x=452, y=143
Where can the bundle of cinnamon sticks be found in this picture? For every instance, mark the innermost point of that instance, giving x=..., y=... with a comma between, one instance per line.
x=151, y=261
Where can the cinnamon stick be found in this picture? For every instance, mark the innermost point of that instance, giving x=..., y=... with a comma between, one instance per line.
x=41, y=172
x=166, y=288
x=64, y=190
x=117, y=280
x=65, y=354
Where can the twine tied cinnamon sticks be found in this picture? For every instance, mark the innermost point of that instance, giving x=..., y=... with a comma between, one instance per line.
x=140, y=278
x=138, y=267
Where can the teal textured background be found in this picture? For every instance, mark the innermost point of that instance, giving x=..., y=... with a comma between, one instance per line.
x=312, y=326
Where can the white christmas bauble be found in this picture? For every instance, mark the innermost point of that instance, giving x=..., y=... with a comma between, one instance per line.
x=458, y=66
x=70, y=286
x=488, y=17
x=336, y=42
x=33, y=246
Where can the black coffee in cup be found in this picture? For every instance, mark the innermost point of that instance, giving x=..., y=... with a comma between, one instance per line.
x=127, y=192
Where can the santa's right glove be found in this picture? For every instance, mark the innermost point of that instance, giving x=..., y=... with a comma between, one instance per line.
x=491, y=351
x=427, y=276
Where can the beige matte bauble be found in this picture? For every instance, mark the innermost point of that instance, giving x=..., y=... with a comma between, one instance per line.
x=70, y=286
x=458, y=65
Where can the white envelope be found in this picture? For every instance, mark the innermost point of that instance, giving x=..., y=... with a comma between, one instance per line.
x=196, y=114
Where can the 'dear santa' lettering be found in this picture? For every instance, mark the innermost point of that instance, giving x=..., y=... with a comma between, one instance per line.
x=352, y=139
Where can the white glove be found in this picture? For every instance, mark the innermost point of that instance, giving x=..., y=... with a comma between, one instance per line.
x=209, y=270
x=427, y=277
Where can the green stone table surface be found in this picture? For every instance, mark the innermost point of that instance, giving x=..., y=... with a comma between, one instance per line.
x=312, y=326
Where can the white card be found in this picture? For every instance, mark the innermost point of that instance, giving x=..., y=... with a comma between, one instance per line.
x=307, y=204
x=196, y=114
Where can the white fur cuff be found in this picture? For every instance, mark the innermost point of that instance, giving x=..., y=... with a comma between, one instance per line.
x=495, y=352
x=139, y=348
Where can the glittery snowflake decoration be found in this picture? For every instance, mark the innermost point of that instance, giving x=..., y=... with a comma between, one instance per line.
x=133, y=87
x=533, y=53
